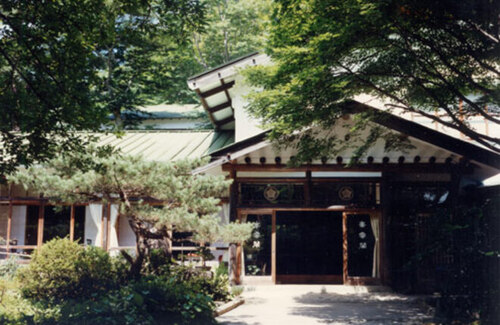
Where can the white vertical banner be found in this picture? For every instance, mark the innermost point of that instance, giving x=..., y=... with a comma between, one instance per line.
x=113, y=234
x=18, y=227
x=374, y=221
x=93, y=225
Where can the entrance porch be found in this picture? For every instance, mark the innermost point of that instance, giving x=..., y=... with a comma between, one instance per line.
x=313, y=245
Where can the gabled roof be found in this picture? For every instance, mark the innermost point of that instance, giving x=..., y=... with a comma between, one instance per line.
x=168, y=145
x=442, y=140
x=215, y=89
x=165, y=111
x=458, y=147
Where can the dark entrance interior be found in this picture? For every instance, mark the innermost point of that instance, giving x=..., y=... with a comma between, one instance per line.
x=309, y=247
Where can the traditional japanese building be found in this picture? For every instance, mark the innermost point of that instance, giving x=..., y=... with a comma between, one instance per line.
x=321, y=222
x=332, y=222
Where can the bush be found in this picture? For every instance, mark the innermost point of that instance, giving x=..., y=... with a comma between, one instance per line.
x=151, y=300
x=68, y=284
x=62, y=269
x=215, y=287
x=8, y=268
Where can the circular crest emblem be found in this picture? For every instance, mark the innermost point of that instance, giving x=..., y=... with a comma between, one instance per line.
x=346, y=193
x=271, y=193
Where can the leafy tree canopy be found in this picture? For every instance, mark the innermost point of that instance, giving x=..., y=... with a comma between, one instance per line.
x=64, y=65
x=180, y=201
x=234, y=28
x=436, y=58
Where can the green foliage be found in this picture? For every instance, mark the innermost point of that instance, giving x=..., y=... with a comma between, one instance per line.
x=237, y=233
x=413, y=55
x=65, y=65
x=148, y=301
x=8, y=268
x=47, y=69
x=237, y=290
x=68, y=284
x=221, y=270
x=190, y=200
x=234, y=28
x=144, y=39
x=216, y=287
x=62, y=269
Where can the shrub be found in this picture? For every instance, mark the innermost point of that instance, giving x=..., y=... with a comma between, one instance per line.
x=8, y=268
x=62, y=269
x=152, y=300
x=215, y=287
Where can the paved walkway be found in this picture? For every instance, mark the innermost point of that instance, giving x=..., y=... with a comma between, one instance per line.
x=307, y=304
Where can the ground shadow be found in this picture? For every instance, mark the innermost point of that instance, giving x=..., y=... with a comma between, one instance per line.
x=370, y=308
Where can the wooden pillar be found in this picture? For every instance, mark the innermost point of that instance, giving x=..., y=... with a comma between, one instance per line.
x=103, y=212
x=72, y=223
x=344, y=247
x=108, y=227
x=384, y=240
x=273, y=247
x=237, y=278
x=307, y=188
x=9, y=221
x=456, y=175
x=41, y=214
x=233, y=196
x=233, y=215
x=381, y=240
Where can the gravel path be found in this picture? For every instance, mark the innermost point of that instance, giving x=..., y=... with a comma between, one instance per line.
x=305, y=304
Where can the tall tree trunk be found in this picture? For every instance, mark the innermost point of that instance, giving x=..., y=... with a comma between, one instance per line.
x=142, y=251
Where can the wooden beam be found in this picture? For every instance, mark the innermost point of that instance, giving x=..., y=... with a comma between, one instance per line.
x=205, y=106
x=228, y=119
x=226, y=91
x=219, y=107
x=216, y=90
x=72, y=223
x=395, y=167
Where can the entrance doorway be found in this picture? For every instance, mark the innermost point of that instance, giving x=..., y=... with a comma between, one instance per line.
x=313, y=245
x=309, y=247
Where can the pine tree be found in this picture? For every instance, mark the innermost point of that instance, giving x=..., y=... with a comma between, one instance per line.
x=157, y=198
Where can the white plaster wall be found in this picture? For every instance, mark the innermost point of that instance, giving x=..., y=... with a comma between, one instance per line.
x=93, y=224
x=246, y=126
x=126, y=236
x=18, y=223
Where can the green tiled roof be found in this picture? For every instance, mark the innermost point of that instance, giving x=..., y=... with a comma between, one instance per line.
x=169, y=145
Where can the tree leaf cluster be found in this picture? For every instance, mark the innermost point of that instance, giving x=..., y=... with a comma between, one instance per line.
x=65, y=65
x=437, y=59
x=157, y=198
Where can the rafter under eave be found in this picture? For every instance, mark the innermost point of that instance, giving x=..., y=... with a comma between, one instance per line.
x=216, y=90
